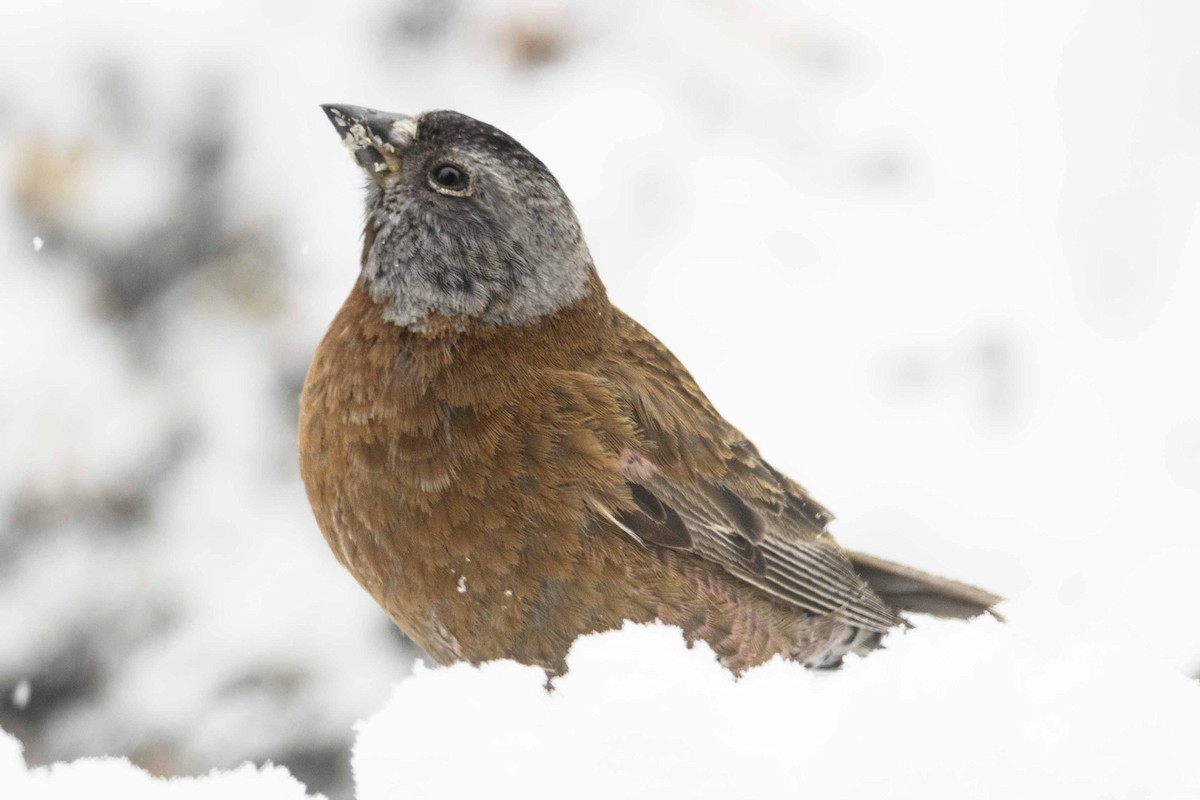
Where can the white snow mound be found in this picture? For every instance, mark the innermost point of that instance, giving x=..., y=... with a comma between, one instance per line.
x=103, y=778
x=949, y=709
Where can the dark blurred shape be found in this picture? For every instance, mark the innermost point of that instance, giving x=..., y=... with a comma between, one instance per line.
x=526, y=37
x=534, y=41
x=322, y=770
x=63, y=679
x=46, y=176
x=421, y=21
x=125, y=507
x=193, y=235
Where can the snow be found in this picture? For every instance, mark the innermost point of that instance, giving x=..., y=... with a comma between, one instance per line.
x=949, y=709
x=937, y=259
x=105, y=778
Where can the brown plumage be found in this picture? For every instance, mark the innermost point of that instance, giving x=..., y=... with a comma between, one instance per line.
x=503, y=478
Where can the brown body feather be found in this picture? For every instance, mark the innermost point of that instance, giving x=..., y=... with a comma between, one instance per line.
x=478, y=483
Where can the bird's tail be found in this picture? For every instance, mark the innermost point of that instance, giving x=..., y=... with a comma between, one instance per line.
x=908, y=589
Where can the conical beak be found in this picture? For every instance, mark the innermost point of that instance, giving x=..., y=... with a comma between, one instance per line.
x=372, y=137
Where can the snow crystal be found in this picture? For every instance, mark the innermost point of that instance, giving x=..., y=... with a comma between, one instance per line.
x=949, y=709
x=462, y=583
x=38, y=243
x=21, y=693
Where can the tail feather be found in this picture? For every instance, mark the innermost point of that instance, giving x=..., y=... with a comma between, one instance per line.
x=907, y=589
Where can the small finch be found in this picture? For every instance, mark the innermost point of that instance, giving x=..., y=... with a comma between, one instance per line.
x=506, y=461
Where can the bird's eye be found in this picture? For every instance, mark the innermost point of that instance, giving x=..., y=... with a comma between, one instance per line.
x=449, y=179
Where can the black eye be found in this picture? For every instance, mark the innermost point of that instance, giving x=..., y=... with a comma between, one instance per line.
x=448, y=176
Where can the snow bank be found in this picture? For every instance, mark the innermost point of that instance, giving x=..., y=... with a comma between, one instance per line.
x=949, y=709
x=117, y=778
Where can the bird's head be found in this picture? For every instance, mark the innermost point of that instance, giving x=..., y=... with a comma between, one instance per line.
x=462, y=221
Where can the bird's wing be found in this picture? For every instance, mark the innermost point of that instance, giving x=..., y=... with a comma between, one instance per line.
x=695, y=483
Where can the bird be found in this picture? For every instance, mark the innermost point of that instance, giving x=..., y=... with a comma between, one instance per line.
x=506, y=462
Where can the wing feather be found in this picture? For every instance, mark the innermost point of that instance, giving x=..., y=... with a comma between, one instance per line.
x=695, y=483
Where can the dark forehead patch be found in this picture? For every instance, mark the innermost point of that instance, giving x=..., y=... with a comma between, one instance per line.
x=452, y=129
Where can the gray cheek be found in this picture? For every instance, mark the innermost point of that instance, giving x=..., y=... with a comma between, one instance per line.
x=497, y=262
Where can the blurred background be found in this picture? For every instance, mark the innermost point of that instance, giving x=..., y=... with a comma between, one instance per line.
x=940, y=260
